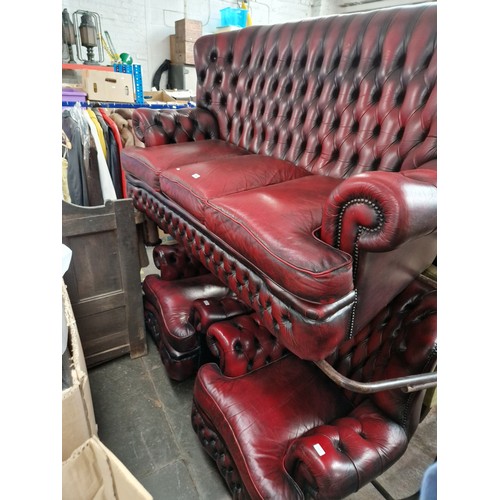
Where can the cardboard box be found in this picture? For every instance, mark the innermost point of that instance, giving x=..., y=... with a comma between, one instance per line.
x=93, y=471
x=172, y=46
x=181, y=95
x=184, y=52
x=170, y=96
x=72, y=74
x=188, y=30
x=89, y=469
x=157, y=96
x=108, y=86
x=78, y=419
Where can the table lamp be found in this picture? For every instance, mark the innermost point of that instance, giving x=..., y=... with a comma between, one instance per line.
x=88, y=36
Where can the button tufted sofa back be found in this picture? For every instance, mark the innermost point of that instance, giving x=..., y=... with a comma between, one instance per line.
x=338, y=95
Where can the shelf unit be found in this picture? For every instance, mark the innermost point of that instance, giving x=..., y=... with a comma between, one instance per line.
x=102, y=104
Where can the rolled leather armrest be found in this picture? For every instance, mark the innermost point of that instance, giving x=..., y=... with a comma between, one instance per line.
x=155, y=127
x=379, y=211
x=175, y=263
x=242, y=345
x=334, y=461
x=204, y=312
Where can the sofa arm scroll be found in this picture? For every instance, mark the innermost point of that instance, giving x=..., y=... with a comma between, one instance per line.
x=379, y=211
x=155, y=127
x=242, y=345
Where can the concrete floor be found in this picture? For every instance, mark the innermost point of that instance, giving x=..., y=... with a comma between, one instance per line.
x=144, y=418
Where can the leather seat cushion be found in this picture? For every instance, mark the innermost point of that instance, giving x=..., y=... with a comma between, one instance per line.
x=191, y=186
x=273, y=225
x=259, y=413
x=173, y=301
x=146, y=164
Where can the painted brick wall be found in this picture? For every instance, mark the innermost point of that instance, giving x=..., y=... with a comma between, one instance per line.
x=327, y=7
x=142, y=27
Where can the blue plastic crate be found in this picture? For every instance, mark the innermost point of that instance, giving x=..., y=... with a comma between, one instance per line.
x=233, y=17
x=135, y=71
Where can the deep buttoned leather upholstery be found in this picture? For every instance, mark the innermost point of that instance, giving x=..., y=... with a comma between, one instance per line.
x=179, y=306
x=347, y=101
x=287, y=431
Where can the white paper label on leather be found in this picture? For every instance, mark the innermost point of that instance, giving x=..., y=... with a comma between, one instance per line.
x=195, y=176
x=319, y=449
x=206, y=302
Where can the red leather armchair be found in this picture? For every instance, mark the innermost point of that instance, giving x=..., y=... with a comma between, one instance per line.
x=285, y=430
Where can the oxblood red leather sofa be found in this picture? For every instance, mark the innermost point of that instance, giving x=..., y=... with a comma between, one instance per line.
x=305, y=178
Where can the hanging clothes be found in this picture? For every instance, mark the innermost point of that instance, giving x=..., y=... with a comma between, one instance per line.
x=75, y=129
x=92, y=167
x=108, y=191
x=66, y=147
x=84, y=181
x=114, y=148
x=112, y=156
x=100, y=132
x=93, y=176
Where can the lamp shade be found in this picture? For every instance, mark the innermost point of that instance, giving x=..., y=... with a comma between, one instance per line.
x=88, y=32
x=68, y=30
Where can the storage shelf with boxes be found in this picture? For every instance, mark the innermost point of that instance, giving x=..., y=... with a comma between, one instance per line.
x=118, y=83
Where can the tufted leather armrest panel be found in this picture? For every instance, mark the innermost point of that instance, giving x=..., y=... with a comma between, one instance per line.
x=155, y=127
x=174, y=262
x=242, y=344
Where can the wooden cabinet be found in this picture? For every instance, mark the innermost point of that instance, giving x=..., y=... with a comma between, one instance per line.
x=103, y=280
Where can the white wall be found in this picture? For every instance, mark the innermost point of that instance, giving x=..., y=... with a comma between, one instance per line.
x=343, y=6
x=142, y=27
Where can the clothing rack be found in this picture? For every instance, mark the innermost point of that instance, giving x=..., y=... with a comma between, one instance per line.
x=99, y=104
x=84, y=177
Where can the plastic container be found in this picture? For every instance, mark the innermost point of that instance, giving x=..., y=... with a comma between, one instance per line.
x=233, y=17
x=71, y=95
